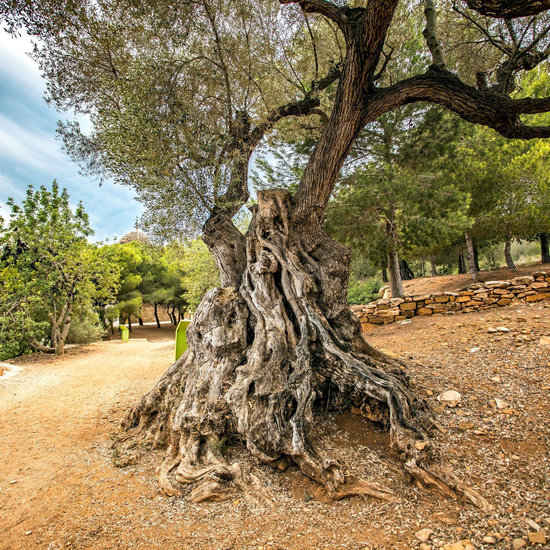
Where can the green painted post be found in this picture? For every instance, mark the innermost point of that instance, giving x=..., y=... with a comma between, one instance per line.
x=181, y=338
x=124, y=333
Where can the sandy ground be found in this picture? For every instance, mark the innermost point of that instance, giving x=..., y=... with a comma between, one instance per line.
x=60, y=489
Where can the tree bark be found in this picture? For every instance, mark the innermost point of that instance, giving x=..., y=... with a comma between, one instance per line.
x=140, y=321
x=508, y=251
x=433, y=267
x=509, y=8
x=60, y=326
x=384, y=275
x=396, y=284
x=471, y=257
x=544, y=248
x=129, y=323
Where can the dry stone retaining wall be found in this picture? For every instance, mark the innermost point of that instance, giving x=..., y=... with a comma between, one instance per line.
x=490, y=294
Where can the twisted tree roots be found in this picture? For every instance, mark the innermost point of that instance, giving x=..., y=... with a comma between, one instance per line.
x=262, y=358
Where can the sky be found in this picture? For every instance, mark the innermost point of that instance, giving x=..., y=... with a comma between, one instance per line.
x=30, y=152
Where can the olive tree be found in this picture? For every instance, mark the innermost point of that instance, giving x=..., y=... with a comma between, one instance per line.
x=180, y=96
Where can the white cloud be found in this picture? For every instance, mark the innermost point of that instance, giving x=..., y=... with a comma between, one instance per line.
x=29, y=147
x=30, y=152
x=8, y=187
x=17, y=65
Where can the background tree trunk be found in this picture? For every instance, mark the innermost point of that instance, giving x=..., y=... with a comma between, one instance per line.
x=384, y=275
x=508, y=251
x=394, y=267
x=461, y=263
x=406, y=272
x=476, y=256
x=471, y=257
x=544, y=248
x=157, y=315
x=394, y=272
x=433, y=267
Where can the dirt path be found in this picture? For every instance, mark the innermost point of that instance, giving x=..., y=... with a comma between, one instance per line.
x=57, y=416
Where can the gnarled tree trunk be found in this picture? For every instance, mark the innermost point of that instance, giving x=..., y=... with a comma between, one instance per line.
x=267, y=356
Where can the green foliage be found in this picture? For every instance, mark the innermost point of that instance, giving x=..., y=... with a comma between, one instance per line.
x=363, y=291
x=401, y=198
x=201, y=273
x=47, y=269
x=85, y=327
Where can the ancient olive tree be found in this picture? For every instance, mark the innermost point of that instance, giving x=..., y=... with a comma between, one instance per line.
x=180, y=96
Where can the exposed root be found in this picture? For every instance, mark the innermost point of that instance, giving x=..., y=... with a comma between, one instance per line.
x=261, y=356
x=447, y=484
x=354, y=487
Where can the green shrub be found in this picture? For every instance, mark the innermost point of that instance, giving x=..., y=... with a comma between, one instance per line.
x=85, y=328
x=363, y=292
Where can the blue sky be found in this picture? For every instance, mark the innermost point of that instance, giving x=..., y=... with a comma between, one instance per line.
x=30, y=153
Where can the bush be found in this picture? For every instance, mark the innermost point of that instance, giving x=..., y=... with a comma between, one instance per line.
x=85, y=329
x=363, y=292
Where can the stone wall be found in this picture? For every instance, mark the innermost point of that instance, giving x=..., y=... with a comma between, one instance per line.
x=491, y=294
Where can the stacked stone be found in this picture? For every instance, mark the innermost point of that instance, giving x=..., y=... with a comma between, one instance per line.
x=491, y=294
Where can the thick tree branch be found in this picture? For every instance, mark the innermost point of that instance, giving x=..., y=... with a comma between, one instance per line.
x=477, y=106
x=322, y=7
x=508, y=8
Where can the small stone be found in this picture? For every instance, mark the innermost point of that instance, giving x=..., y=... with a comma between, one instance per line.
x=500, y=403
x=449, y=396
x=539, y=537
x=466, y=425
x=13, y=481
x=533, y=524
x=492, y=330
x=424, y=546
x=420, y=445
x=544, y=341
x=489, y=540
x=495, y=378
x=27, y=533
x=474, y=350
x=518, y=543
x=453, y=546
x=423, y=535
x=503, y=329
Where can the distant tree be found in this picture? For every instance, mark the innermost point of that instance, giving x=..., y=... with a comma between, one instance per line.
x=48, y=268
x=400, y=200
x=201, y=273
